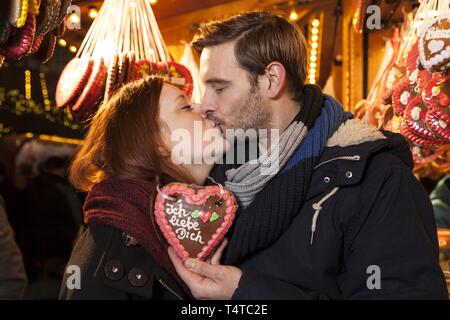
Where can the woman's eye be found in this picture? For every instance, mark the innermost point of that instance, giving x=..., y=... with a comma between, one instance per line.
x=219, y=90
x=186, y=107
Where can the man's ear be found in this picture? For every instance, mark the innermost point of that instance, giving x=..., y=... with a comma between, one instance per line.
x=276, y=79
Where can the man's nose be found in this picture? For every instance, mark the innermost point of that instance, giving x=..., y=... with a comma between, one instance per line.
x=206, y=108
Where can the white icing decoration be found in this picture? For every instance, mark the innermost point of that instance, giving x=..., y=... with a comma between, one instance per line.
x=435, y=91
x=415, y=113
x=404, y=98
x=435, y=45
x=443, y=124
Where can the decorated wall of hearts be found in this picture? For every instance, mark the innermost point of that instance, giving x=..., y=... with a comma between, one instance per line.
x=412, y=92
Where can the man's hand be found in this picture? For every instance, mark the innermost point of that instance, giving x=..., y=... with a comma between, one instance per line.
x=207, y=280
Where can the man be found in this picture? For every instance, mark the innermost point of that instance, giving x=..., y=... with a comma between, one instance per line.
x=342, y=218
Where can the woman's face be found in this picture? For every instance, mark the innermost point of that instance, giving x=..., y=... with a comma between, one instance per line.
x=190, y=138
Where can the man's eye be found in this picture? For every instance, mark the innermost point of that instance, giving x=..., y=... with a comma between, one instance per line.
x=186, y=107
x=219, y=90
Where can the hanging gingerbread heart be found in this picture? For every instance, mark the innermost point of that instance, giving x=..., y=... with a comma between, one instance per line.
x=177, y=74
x=18, y=12
x=402, y=94
x=20, y=43
x=72, y=80
x=111, y=79
x=92, y=93
x=417, y=139
x=412, y=57
x=437, y=96
x=414, y=117
x=438, y=126
x=48, y=13
x=434, y=44
x=5, y=30
x=47, y=48
x=194, y=219
x=424, y=154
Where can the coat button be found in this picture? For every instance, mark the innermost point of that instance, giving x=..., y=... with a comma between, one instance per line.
x=137, y=277
x=326, y=179
x=114, y=270
x=349, y=174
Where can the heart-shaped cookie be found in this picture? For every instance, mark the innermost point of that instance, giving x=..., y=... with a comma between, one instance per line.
x=438, y=126
x=92, y=93
x=72, y=80
x=414, y=117
x=437, y=96
x=20, y=43
x=434, y=44
x=177, y=74
x=194, y=219
x=402, y=94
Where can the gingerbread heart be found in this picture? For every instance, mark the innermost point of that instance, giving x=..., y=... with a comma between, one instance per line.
x=177, y=74
x=424, y=154
x=20, y=43
x=438, y=126
x=111, y=79
x=92, y=93
x=414, y=116
x=412, y=57
x=437, y=96
x=194, y=219
x=72, y=80
x=434, y=44
x=402, y=94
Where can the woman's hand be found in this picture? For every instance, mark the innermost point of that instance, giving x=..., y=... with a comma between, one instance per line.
x=208, y=280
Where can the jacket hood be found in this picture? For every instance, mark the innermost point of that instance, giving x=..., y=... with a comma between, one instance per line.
x=349, y=151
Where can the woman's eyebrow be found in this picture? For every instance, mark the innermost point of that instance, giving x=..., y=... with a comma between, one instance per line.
x=181, y=96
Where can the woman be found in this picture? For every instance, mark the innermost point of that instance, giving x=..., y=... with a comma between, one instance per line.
x=127, y=152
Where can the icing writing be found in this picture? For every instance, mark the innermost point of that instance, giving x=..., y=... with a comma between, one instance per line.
x=188, y=228
x=437, y=34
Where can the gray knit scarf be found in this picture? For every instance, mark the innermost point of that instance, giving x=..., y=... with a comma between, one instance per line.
x=249, y=179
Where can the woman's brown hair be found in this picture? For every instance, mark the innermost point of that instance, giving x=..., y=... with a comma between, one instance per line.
x=124, y=139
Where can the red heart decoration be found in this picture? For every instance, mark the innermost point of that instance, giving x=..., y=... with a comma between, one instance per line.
x=415, y=116
x=438, y=126
x=178, y=74
x=437, y=96
x=194, y=219
x=402, y=94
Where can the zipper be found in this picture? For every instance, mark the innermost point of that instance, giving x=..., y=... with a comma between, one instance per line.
x=350, y=158
x=170, y=289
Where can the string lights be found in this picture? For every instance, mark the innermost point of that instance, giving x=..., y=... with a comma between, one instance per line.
x=293, y=16
x=314, y=40
x=27, y=84
x=47, y=103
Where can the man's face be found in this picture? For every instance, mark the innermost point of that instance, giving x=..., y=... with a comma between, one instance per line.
x=230, y=100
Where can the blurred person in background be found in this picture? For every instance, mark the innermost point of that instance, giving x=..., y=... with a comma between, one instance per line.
x=13, y=279
x=53, y=217
x=440, y=198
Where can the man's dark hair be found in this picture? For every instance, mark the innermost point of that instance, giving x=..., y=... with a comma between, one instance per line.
x=261, y=38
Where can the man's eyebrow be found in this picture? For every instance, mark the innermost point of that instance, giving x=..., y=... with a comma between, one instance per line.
x=217, y=81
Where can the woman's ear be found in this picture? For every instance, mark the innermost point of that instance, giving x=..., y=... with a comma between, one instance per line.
x=276, y=78
x=163, y=151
